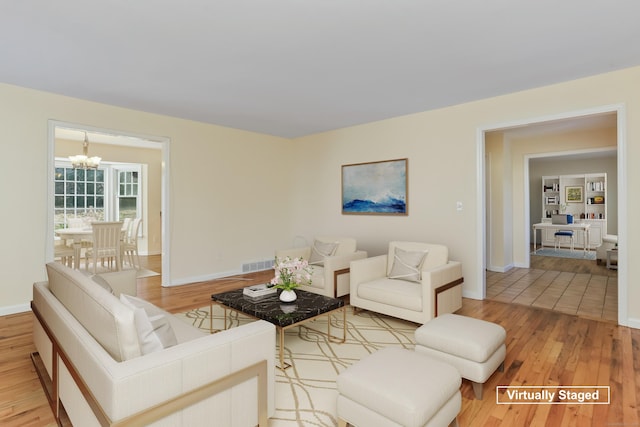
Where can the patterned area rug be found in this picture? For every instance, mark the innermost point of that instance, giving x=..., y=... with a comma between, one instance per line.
x=305, y=394
x=565, y=253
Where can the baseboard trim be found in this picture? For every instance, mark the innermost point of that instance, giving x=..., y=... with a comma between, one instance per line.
x=633, y=323
x=14, y=309
x=204, y=278
x=500, y=269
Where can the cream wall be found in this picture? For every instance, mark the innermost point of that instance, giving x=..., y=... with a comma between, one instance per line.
x=229, y=200
x=151, y=240
x=444, y=156
x=237, y=195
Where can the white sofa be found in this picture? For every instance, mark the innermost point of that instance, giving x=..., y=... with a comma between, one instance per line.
x=329, y=258
x=89, y=358
x=434, y=288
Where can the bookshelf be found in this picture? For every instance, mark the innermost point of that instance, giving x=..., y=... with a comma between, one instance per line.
x=584, y=196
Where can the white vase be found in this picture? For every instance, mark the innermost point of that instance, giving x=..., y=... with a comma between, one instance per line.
x=288, y=296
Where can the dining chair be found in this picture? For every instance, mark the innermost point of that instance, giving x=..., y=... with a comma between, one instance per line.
x=130, y=245
x=126, y=223
x=63, y=252
x=106, y=244
x=80, y=223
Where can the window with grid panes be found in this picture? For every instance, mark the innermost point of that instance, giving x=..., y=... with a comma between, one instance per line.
x=79, y=193
x=128, y=192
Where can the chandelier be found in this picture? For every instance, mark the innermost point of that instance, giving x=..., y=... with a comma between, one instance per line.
x=83, y=161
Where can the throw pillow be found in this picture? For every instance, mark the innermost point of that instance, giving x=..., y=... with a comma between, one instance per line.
x=320, y=250
x=407, y=265
x=102, y=282
x=153, y=328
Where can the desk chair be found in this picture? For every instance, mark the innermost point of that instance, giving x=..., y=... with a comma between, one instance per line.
x=559, y=235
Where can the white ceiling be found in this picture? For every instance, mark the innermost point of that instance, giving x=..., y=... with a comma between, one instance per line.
x=297, y=67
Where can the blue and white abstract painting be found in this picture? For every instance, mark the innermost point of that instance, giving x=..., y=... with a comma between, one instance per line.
x=375, y=188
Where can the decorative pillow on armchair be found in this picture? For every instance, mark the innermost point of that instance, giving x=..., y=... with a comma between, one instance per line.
x=319, y=250
x=407, y=265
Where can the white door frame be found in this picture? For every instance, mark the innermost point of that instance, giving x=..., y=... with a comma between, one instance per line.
x=481, y=238
x=150, y=141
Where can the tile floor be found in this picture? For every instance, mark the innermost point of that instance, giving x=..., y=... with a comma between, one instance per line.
x=582, y=294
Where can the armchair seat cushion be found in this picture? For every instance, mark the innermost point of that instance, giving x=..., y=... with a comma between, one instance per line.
x=399, y=293
x=317, y=277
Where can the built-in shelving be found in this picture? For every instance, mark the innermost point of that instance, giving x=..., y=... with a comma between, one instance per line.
x=584, y=196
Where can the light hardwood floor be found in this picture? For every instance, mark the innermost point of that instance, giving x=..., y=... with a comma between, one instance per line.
x=543, y=348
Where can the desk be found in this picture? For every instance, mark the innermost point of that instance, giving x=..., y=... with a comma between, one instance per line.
x=584, y=227
x=77, y=235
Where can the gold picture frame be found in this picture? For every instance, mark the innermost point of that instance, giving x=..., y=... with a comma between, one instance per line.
x=573, y=194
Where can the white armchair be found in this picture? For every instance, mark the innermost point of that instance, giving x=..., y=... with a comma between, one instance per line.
x=414, y=281
x=330, y=258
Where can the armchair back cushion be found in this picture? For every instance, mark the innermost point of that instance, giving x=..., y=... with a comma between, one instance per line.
x=346, y=245
x=437, y=255
x=320, y=250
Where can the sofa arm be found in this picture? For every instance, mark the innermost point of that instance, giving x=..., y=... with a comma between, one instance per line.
x=173, y=375
x=188, y=367
x=303, y=252
x=367, y=269
x=122, y=282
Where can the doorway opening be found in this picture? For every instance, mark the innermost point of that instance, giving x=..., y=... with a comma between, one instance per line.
x=135, y=168
x=506, y=226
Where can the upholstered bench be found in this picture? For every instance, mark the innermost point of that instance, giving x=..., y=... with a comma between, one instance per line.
x=398, y=387
x=475, y=347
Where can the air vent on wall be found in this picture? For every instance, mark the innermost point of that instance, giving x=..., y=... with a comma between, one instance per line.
x=266, y=264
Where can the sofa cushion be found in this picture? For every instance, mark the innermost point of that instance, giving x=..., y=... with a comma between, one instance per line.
x=102, y=282
x=407, y=265
x=154, y=330
x=109, y=321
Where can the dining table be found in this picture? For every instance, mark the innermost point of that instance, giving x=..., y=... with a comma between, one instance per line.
x=76, y=235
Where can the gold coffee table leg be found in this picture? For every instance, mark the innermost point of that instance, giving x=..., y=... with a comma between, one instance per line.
x=344, y=327
x=283, y=364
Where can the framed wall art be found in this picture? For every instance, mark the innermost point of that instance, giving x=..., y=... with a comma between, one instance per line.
x=375, y=188
x=573, y=194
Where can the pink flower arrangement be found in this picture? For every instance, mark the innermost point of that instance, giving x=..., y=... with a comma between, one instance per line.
x=290, y=273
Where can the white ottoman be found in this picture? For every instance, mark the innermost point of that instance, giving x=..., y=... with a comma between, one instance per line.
x=475, y=347
x=398, y=387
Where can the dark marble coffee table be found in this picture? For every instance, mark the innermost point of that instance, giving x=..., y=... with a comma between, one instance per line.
x=307, y=306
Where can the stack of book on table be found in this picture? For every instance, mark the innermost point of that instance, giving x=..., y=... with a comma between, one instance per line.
x=258, y=291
